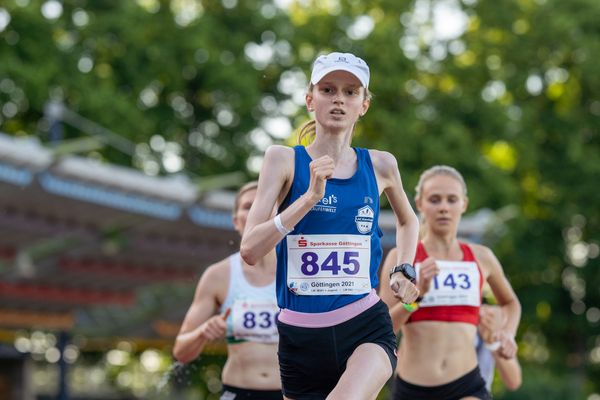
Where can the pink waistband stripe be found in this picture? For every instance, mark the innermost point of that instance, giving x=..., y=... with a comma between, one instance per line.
x=328, y=318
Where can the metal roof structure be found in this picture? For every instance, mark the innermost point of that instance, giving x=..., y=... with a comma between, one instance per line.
x=101, y=249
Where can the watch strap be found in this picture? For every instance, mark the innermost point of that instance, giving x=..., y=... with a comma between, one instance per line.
x=402, y=268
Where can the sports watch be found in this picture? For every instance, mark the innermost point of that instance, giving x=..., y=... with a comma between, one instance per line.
x=407, y=270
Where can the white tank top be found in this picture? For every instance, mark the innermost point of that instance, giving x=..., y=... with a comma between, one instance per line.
x=253, y=308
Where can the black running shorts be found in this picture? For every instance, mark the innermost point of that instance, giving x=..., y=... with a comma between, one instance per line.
x=312, y=360
x=236, y=393
x=470, y=384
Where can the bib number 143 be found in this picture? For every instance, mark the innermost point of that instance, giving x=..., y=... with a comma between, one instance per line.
x=461, y=282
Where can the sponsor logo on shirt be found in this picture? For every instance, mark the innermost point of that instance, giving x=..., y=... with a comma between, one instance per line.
x=364, y=219
x=326, y=204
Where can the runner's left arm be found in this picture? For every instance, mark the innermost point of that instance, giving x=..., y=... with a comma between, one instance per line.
x=407, y=224
x=506, y=297
x=398, y=313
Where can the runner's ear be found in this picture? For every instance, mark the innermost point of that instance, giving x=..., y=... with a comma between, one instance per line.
x=465, y=204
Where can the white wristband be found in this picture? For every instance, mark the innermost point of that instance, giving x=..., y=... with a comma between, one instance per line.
x=282, y=229
x=492, y=346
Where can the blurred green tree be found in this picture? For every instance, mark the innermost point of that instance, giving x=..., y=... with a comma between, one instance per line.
x=508, y=92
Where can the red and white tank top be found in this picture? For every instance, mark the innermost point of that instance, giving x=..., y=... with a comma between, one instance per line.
x=455, y=293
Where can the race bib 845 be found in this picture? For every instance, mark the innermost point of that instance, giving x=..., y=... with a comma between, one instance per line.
x=328, y=264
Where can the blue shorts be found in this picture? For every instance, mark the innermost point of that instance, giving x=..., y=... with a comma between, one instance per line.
x=235, y=393
x=312, y=360
x=470, y=384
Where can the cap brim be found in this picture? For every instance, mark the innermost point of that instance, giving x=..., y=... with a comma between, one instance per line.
x=316, y=78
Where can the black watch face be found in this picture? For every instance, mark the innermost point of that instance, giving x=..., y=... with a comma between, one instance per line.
x=409, y=272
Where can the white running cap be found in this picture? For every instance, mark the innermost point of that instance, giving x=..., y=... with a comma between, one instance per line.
x=340, y=61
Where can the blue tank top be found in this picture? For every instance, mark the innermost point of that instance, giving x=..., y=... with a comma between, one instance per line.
x=332, y=256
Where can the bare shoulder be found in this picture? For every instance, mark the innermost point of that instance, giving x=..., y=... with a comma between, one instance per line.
x=383, y=161
x=481, y=252
x=486, y=257
x=278, y=165
x=215, y=279
x=218, y=269
x=277, y=153
x=386, y=169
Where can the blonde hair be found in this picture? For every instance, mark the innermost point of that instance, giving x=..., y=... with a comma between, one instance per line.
x=308, y=130
x=439, y=170
x=430, y=173
x=246, y=187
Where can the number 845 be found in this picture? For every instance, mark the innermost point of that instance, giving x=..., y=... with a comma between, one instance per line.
x=350, y=264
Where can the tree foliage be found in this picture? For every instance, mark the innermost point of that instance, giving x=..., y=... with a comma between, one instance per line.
x=506, y=91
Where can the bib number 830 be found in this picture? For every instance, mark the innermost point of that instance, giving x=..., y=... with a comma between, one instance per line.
x=262, y=319
x=310, y=263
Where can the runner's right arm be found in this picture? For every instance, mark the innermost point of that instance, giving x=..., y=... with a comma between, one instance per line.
x=261, y=235
x=200, y=325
